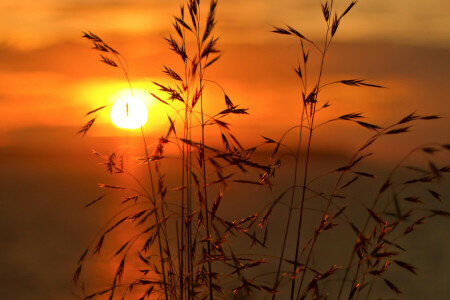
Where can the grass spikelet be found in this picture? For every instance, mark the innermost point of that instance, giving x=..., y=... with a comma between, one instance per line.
x=182, y=245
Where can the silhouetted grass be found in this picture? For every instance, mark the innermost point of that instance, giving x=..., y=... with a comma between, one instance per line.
x=186, y=250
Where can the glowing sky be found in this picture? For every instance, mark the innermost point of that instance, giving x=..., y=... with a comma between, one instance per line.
x=32, y=24
x=50, y=77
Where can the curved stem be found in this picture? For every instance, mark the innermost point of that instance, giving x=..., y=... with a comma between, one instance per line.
x=292, y=201
x=202, y=154
x=308, y=151
x=156, y=213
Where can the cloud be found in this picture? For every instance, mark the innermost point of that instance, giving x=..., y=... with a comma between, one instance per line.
x=33, y=24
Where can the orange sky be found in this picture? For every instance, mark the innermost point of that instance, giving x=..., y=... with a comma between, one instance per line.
x=50, y=77
x=32, y=24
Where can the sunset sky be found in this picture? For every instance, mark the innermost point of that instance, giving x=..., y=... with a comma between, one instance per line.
x=49, y=79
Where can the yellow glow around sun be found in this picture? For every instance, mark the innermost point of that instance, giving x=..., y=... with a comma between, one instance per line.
x=129, y=113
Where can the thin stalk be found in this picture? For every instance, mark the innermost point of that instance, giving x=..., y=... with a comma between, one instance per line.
x=304, y=85
x=189, y=253
x=308, y=150
x=169, y=255
x=151, y=180
x=184, y=170
x=156, y=213
x=179, y=258
x=311, y=126
x=183, y=199
x=313, y=111
x=292, y=201
x=202, y=154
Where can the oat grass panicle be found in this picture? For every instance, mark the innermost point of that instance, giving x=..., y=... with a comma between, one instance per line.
x=185, y=249
x=394, y=211
x=194, y=257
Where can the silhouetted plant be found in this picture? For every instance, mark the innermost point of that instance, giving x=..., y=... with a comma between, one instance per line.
x=372, y=248
x=191, y=237
x=196, y=249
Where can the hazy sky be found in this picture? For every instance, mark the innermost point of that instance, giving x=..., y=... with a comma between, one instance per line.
x=31, y=24
x=49, y=76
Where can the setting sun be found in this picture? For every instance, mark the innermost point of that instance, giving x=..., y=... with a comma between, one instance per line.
x=129, y=113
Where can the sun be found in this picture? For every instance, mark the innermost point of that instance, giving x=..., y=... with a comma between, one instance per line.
x=129, y=113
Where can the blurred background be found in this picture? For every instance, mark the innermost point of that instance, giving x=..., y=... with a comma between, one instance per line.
x=49, y=79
